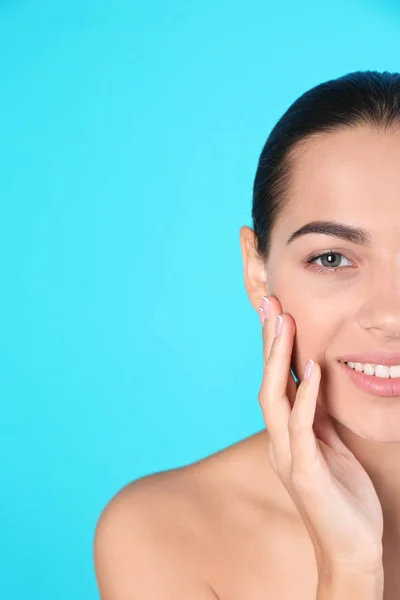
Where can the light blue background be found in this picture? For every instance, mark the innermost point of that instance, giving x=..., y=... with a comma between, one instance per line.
x=129, y=139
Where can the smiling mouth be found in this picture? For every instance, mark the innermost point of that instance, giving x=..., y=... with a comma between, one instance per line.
x=372, y=384
x=394, y=374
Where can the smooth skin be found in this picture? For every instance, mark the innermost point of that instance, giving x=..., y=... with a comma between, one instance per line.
x=227, y=526
x=332, y=491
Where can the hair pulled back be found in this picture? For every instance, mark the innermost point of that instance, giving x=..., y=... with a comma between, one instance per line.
x=360, y=98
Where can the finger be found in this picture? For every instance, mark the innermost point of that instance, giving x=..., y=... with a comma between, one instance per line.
x=272, y=308
x=309, y=468
x=272, y=459
x=303, y=443
x=273, y=398
x=273, y=392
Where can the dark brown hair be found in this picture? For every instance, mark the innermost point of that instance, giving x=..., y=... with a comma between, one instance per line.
x=360, y=98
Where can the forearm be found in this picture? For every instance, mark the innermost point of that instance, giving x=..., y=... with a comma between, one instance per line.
x=334, y=585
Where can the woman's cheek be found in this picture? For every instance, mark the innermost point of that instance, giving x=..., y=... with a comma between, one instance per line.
x=307, y=343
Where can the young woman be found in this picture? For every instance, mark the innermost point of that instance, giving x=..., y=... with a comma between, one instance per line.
x=309, y=507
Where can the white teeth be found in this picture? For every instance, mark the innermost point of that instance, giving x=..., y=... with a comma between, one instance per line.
x=381, y=371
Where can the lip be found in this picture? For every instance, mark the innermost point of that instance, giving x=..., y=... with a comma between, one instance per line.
x=375, y=386
x=375, y=357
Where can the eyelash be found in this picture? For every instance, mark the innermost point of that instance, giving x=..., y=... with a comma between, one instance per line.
x=325, y=270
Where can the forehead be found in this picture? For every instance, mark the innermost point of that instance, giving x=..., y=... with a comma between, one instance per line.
x=345, y=172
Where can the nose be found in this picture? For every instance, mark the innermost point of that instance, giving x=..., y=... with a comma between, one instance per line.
x=380, y=314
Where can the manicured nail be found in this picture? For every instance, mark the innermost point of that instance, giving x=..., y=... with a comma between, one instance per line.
x=278, y=325
x=265, y=306
x=307, y=370
x=261, y=313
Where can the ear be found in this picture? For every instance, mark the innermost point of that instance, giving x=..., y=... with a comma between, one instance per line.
x=254, y=268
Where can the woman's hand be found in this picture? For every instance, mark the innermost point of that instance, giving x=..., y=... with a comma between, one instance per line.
x=331, y=490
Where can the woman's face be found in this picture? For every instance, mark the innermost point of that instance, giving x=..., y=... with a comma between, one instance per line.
x=351, y=178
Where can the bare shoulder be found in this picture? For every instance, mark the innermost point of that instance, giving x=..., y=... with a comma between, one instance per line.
x=145, y=540
x=188, y=529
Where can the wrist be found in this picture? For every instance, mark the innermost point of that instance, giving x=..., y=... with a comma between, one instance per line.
x=356, y=583
x=328, y=568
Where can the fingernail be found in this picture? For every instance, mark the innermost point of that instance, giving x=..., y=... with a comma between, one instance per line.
x=278, y=325
x=265, y=306
x=261, y=313
x=307, y=370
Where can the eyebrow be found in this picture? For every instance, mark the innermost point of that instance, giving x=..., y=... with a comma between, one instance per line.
x=354, y=235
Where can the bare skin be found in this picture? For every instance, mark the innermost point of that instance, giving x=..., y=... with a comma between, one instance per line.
x=227, y=521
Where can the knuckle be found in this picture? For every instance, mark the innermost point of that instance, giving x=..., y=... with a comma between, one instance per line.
x=264, y=392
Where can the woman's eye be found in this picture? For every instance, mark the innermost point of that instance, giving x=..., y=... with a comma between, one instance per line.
x=331, y=261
